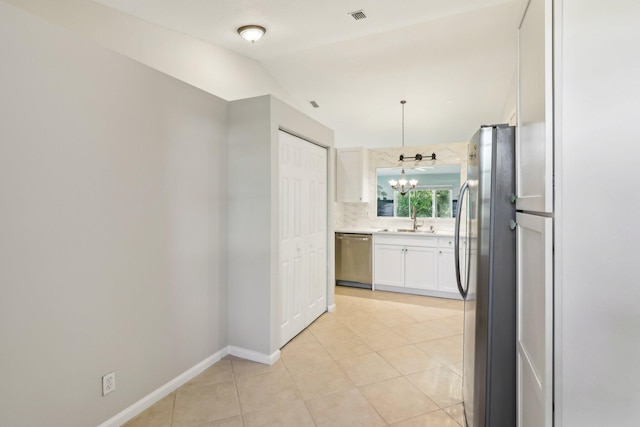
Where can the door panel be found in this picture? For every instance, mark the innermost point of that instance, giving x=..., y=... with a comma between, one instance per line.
x=420, y=268
x=535, y=320
x=303, y=234
x=317, y=230
x=534, y=143
x=389, y=265
x=447, y=272
x=292, y=261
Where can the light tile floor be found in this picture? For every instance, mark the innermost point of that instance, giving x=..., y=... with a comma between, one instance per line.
x=380, y=359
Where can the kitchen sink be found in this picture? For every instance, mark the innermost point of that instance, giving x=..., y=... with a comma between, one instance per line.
x=406, y=230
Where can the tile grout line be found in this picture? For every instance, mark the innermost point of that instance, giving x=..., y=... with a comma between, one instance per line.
x=444, y=364
x=173, y=407
x=357, y=387
x=235, y=386
x=363, y=308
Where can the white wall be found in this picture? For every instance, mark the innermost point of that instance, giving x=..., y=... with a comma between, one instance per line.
x=112, y=225
x=509, y=112
x=597, y=324
x=218, y=71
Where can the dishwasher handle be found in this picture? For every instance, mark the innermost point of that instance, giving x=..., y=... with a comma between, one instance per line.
x=361, y=237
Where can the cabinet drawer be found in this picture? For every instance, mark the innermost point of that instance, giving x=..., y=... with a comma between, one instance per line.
x=405, y=240
x=445, y=242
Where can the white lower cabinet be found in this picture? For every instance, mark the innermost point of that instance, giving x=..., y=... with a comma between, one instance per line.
x=415, y=264
x=446, y=271
x=419, y=267
x=446, y=265
x=389, y=265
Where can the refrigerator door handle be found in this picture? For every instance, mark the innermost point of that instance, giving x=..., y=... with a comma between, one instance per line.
x=464, y=189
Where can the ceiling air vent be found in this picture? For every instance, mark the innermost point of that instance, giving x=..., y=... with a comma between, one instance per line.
x=358, y=14
x=314, y=104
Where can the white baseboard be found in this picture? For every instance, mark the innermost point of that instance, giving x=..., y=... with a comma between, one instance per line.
x=267, y=359
x=414, y=291
x=153, y=397
x=331, y=308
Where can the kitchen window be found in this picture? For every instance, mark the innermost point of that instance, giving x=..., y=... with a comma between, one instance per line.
x=430, y=202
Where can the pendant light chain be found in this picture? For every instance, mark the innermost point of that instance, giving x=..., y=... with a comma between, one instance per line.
x=401, y=185
x=403, y=102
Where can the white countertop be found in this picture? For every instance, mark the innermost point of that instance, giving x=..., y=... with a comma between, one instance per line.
x=358, y=230
x=439, y=233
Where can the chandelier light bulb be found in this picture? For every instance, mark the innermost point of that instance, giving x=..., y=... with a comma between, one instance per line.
x=401, y=184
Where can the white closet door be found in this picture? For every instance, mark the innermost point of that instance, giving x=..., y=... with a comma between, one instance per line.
x=303, y=234
x=317, y=230
x=292, y=260
x=534, y=321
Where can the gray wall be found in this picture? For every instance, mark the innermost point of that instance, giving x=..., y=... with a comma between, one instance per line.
x=597, y=290
x=249, y=212
x=253, y=261
x=112, y=225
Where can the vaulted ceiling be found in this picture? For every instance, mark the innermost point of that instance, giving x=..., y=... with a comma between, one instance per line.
x=454, y=61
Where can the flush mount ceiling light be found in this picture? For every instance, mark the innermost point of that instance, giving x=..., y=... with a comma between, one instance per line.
x=251, y=33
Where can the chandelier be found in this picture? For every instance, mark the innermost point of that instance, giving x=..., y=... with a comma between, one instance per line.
x=403, y=186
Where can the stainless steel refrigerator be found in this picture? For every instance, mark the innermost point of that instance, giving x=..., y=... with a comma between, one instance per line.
x=485, y=257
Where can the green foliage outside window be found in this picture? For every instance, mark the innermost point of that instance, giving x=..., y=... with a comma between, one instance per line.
x=423, y=201
x=403, y=205
x=443, y=201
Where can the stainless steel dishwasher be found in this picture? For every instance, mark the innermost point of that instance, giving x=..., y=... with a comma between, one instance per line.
x=353, y=260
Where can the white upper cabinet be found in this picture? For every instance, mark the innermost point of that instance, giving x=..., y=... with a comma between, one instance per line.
x=352, y=175
x=534, y=143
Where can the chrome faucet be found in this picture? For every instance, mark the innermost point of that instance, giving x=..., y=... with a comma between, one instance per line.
x=414, y=217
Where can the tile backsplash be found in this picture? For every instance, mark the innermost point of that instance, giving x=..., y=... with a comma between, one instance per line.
x=364, y=215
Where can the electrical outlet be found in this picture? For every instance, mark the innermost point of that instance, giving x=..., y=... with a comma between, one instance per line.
x=108, y=383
